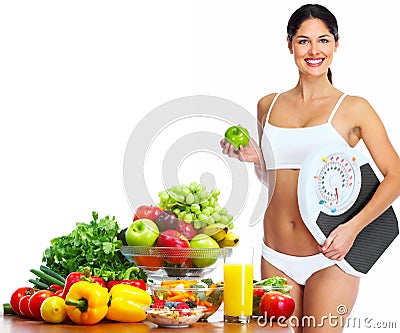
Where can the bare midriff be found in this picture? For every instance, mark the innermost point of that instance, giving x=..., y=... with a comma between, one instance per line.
x=284, y=229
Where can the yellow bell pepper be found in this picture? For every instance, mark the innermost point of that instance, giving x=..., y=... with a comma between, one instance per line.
x=127, y=303
x=87, y=303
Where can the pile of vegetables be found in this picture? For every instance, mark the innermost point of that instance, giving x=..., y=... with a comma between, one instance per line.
x=94, y=244
x=84, y=300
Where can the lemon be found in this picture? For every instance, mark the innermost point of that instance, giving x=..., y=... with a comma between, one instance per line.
x=53, y=310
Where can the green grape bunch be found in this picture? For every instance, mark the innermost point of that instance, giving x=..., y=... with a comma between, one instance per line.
x=194, y=204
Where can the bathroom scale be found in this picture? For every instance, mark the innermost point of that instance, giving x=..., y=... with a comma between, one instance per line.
x=334, y=184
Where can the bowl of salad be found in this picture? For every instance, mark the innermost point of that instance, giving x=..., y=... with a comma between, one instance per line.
x=204, y=294
x=273, y=283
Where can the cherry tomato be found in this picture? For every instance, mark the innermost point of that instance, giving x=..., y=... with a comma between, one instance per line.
x=24, y=306
x=53, y=310
x=276, y=306
x=258, y=291
x=36, y=301
x=55, y=287
x=59, y=292
x=16, y=297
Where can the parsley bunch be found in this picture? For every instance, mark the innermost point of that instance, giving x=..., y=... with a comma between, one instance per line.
x=94, y=245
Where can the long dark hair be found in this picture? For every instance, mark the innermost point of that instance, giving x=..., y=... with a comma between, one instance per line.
x=313, y=11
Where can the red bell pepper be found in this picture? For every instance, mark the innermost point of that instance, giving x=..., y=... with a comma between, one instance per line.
x=136, y=283
x=79, y=276
x=126, y=280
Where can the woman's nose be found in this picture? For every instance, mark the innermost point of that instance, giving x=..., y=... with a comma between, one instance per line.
x=313, y=50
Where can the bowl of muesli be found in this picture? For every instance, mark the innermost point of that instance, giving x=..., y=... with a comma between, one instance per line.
x=173, y=314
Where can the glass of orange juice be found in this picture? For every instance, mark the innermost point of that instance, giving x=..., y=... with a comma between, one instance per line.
x=238, y=285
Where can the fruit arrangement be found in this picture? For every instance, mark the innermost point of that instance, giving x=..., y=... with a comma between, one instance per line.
x=187, y=217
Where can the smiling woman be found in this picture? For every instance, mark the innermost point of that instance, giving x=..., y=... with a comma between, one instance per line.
x=316, y=49
x=80, y=75
x=292, y=125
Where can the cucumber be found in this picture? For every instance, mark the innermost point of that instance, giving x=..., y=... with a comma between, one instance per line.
x=38, y=284
x=48, y=278
x=50, y=272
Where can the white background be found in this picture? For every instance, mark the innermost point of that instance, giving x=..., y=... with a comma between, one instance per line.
x=76, y=77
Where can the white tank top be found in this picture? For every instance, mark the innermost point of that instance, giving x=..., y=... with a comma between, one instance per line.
x=286, y=148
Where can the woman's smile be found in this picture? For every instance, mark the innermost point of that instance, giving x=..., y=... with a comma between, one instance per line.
x=314, y=62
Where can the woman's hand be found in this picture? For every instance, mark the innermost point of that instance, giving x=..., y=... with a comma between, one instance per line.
x=250, y=153
x=339, y=241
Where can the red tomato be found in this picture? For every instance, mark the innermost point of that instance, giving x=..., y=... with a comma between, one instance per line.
x=276, y=306
x=59, y=292
x=17, y=295
x=55, y=287
x=258, y=291
x=148, y=212
x=24, y=306
x=36, y=301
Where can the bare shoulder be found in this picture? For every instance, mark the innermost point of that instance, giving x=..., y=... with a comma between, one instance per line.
x=357, y=101
x=263, y=106
x=359, y=108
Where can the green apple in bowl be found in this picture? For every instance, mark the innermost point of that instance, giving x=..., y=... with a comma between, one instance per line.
x=142, y=232
x=203, y=241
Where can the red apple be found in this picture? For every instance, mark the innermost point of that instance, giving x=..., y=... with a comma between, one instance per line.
x=167, y=220
x=147, y=212
x=186, y=229
x=175, y=240
x=276, y=306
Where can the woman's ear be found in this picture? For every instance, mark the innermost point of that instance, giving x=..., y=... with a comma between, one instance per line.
x=289, y=45
x=337, y=43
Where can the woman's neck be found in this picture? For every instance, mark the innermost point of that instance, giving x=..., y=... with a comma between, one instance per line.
x=310, y=87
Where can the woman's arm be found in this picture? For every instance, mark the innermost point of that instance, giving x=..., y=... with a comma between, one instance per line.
x=374, y=135
x=262, y=112
x=252, y=152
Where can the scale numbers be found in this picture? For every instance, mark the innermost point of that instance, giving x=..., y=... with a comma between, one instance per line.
x=336, y=183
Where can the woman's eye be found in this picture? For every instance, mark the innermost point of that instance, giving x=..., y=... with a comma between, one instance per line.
x=324, y=40
x=303, y=41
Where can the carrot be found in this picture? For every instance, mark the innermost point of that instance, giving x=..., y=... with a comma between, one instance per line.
x=179, y=297
x=177, y=282
x=208, y=304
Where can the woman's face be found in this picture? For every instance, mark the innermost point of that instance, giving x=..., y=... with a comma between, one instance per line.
x=313, y=47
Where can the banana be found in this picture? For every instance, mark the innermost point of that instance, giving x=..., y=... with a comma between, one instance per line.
x=216, y=231
x=231, y=239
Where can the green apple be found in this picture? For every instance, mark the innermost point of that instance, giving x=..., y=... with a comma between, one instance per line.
x=237, y=135
x=142, y=232
x=203, y=241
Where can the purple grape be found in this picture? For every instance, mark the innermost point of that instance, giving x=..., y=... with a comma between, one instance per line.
x=167, y=220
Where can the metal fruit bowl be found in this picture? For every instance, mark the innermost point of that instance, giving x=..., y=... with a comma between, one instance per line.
x=165, y=262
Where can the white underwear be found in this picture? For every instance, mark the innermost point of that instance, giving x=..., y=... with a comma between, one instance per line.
x=297, y=268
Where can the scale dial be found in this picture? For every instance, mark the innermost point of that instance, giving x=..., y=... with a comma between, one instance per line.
x=337, y=183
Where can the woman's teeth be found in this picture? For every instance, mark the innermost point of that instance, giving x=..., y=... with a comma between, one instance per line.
x=313, y=61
